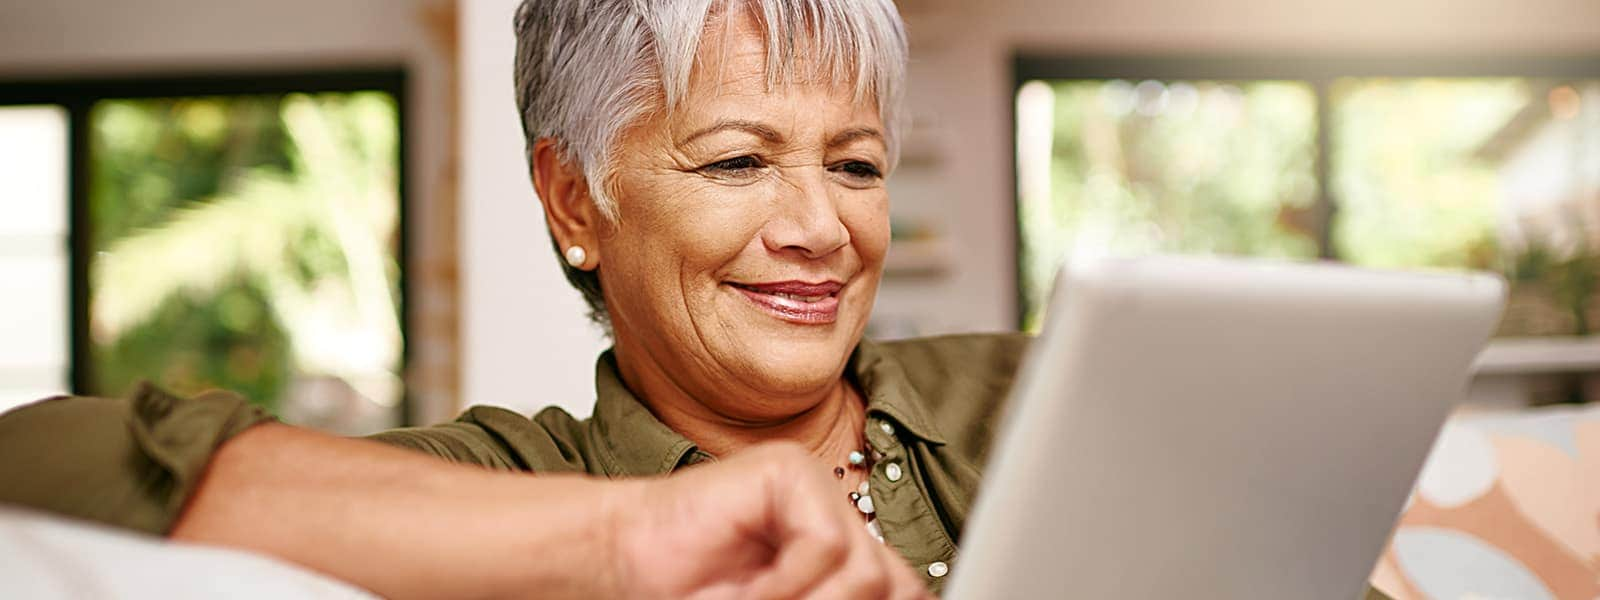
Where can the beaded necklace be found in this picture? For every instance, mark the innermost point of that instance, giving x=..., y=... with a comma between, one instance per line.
x=861, y=498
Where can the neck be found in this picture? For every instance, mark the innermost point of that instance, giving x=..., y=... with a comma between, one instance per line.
x=828, y=423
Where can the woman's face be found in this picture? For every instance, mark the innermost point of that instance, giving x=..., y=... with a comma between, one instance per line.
x=752, y=228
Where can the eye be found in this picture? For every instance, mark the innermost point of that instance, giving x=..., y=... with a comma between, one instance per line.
x=864, y=171
x=739, y=165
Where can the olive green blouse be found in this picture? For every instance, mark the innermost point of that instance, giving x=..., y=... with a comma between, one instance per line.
x=932, y=408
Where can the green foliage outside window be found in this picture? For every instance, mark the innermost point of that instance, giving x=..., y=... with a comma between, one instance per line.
x=1488, y=174
x=1410, y=191
x=1193, y=168
x=245, y=243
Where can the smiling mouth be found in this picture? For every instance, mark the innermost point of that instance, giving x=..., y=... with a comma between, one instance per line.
x=795, y=301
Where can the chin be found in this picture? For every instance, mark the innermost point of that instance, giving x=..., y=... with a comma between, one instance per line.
x=799, y=362
x=783, y=356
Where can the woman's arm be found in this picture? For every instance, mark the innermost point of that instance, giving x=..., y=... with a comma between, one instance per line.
x=395, y=522
x=405, y=524
x=764, y=524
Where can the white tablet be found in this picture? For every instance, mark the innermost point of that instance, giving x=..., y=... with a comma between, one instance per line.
x=1206, y=428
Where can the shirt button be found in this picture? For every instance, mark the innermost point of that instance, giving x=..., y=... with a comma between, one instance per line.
x=938, y=569
x=892, y=471
x=886, y=427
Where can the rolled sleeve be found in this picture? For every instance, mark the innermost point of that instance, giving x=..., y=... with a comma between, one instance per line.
x=465, y=443
x=128, y=462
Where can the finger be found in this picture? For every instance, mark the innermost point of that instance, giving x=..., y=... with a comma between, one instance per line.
x=851, y=584
x=801, y=563
x=865, y=573
x=810, y=538
x=903, y=582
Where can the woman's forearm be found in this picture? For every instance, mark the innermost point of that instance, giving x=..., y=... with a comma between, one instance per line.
x=401, y=524
x=765, y=523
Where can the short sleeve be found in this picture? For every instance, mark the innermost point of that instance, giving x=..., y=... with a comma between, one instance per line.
x=127, y=462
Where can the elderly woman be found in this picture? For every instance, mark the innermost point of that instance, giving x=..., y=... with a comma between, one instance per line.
x=712, y=172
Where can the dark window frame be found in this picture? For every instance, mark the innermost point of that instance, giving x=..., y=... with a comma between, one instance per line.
x=1320, y=71
x=77, y=97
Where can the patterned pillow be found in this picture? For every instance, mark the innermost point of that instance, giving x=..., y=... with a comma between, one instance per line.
x=1508, y=506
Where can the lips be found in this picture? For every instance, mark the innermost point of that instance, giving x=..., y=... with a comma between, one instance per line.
x=795, y=301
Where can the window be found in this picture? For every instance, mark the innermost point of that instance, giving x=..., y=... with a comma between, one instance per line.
x=33, y=253
x=232, y=233
x=1459, y=165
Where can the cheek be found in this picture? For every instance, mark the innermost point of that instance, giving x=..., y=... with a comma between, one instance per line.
x=673, y=227
x=866, y=215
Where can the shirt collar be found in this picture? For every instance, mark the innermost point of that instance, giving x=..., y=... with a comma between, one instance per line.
x=889, y=391
x=634, y=443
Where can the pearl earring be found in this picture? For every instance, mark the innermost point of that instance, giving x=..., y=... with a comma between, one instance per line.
x=576, y=256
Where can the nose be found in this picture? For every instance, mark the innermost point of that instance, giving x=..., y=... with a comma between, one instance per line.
x=806, y=221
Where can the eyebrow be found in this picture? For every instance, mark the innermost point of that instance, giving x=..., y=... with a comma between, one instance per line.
x=772, y=136
x=760, y=130
x=852, y=134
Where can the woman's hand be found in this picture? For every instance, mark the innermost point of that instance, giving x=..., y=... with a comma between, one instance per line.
x=766, y=523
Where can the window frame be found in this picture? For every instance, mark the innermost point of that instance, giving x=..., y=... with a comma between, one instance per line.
x=1318, y=71
x=78, y=95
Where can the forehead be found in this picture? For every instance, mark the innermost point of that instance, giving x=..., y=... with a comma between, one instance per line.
x=732, y=61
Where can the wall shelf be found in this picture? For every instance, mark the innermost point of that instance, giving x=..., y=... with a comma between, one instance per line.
x=1555, y=354
x=917, y=258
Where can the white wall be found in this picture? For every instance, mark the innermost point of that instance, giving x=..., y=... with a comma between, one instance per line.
x=525, y=341
x=61, y=37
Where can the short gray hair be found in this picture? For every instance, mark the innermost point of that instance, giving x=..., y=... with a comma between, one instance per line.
x=586, y=69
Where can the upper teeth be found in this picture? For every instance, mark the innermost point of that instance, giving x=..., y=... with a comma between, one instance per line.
x=799, y=297
x=795, y=297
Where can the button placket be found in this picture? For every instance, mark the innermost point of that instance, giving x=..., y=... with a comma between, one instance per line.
x=902, y=506
x=891, y=463
x=894, y=495
x=888, y=452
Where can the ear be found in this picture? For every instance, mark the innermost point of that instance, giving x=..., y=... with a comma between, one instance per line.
x=568, y=208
